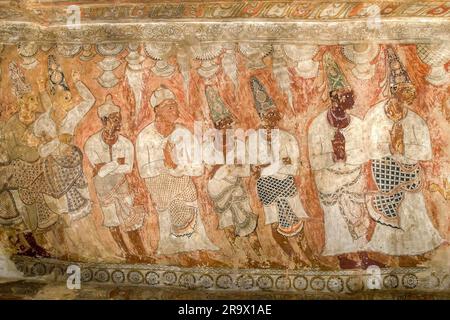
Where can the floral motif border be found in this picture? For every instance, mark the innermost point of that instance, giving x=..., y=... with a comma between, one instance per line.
x=206, y=278
x=187, y=33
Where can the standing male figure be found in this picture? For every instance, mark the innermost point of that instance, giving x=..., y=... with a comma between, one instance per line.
x=168, y=180
x=226, y=186
x=20, y=145
x=337, y=156
x=398, y=140
x=111, y=155
x=275, y=175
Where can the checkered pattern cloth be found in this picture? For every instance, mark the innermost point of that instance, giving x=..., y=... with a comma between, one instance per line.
x=173, y=193
x=55, y=176
x=272, y=190
x=393, y=180
x=390, y=175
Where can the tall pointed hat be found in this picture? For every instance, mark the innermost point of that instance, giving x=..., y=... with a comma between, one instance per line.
x=263, y=101
x=217, y=108
x=397, y=71
x=335, y=76
x=20, y=87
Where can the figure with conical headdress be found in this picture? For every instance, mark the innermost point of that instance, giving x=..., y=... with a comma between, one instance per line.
x=20, y=141
x=169, y=179
x=111, y=156
x=56, y=128
x=64, y=192
x=278, y=163
x=21, y=148
x=225, y=185
x=398, y=140
x=337, y=156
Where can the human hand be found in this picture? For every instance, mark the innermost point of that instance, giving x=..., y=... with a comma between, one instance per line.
x=287, y=160
x=97, y=168
x=256, y=169
x=75, y=76
x=397, y=145
x=168, y=161
x=65, y=138
x=338, y=144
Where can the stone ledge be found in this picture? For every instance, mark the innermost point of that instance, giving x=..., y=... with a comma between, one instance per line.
x=222, y=279
x=425, y=30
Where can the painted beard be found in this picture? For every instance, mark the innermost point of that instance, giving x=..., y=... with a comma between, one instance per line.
x=110, y=136
x=338, y=117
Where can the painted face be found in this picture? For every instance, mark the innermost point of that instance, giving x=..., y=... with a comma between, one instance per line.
x=114, y=122
x=168, y=111
x=406, y=94
x=28, y=106
x=347, y=100
x=271, y=117
x=225, y=123
x=63, y=99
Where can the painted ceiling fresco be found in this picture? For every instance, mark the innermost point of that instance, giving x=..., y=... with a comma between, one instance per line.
x=355, y=115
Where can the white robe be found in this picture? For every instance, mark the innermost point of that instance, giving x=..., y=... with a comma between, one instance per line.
x=224, y=178
x=111, y=177
x=150, y=158
x=417, y=234
x=224, y=184
x=330, y=177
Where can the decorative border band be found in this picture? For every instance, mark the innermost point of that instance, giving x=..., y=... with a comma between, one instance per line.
x=54, y=11
x=391, y=30
x=307, y=281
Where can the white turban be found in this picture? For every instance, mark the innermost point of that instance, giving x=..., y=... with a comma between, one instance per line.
x=159, y=95
x=107, y=108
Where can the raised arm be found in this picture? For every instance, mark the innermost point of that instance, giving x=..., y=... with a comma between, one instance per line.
x=78, y=112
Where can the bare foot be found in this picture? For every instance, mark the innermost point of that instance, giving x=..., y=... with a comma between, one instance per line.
x=346, y=263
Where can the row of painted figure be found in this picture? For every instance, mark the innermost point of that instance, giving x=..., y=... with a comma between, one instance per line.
x=43, y=186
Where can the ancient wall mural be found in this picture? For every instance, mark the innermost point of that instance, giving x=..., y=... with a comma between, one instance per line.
x=359, y=134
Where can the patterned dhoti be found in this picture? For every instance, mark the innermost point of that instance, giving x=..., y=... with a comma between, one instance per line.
x=404, y=227
x=116, y=202
x=393, y=180
x=278, y=191
x=181, y=228
x=232, y=204
x=45, y=184
x=173, y=194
